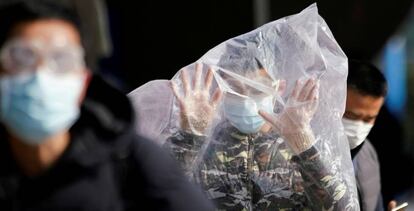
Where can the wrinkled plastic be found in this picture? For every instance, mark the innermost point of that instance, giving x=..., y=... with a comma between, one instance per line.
x=299, y=159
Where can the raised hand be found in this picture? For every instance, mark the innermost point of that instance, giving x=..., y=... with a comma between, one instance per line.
x=197, y=107
x=293, y=123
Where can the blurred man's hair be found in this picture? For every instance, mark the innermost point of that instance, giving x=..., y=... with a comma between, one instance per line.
x=12, y=14
x=366, y=79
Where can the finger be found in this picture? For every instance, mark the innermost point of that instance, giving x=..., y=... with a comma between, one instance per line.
x=392, y=205
x=282, y=87
x=270, y=119
x=266, y=116
x=313, y=94
x=186, y=83
x=306, y=89
x=295, y=90
x=176, y=92
x=179, y=99
x=216, y=97
x=197, y=76
x=209, y=79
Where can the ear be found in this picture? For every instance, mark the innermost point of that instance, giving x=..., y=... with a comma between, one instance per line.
x=87, y=76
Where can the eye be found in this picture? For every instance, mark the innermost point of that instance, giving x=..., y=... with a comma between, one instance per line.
x=351, y=115
x=369, y=119
x=66, y=61
x=22, y=57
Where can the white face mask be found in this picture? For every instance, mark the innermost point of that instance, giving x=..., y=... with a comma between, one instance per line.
x=356, y=131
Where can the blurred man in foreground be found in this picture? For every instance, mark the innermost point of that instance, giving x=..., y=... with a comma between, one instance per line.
x=67, y=141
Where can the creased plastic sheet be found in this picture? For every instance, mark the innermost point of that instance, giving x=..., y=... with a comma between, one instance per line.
x=256, y=121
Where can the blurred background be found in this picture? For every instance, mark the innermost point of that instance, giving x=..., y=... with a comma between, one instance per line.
x=133, y=43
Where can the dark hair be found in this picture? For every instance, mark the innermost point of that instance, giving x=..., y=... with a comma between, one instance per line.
x=240, y=56
x=15, y=13
x=366, y=79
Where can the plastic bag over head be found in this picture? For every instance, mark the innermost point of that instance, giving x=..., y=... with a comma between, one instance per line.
x=256, y=121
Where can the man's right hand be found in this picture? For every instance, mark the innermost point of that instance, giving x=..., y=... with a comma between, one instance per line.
x=393, y=204
x=197, y=107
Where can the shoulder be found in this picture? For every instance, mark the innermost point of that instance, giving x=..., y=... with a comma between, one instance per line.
x=368, y=151
x=147, y=153
x=366, y=161
x=155, y=165
x=162, y=180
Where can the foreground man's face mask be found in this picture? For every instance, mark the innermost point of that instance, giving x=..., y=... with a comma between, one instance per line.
x=40, y=88
x=243, y=112
x=356, y=131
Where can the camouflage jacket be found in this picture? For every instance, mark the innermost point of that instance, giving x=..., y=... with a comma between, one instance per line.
x=260, y=172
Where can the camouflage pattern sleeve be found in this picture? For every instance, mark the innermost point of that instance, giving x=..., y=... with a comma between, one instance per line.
x=185, y=148
x=324, y=185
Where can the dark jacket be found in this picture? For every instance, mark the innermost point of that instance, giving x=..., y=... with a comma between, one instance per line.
x=367, y=171
x=105, y=167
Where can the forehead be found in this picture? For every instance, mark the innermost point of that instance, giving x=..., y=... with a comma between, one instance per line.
x=244, y=87
x=49, y=31
x=363, y=103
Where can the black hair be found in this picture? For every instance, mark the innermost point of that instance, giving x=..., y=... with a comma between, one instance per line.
x=12, y=14
x=366, y=79
x=240, y=56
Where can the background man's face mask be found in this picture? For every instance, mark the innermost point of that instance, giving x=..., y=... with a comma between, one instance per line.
x=243, y=112
x=38, y=101
x=356, y=131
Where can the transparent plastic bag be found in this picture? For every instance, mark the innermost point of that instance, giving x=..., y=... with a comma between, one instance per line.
x=256, y=121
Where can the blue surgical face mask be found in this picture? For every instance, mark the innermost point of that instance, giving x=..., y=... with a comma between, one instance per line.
x=37, y=105
x=243, y=112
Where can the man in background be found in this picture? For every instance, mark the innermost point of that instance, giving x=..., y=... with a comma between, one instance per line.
x=366, y=91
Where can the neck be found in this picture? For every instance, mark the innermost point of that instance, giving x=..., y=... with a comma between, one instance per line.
x=35, y=159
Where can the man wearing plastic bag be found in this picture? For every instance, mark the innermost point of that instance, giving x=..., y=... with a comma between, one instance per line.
x=257, y=120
